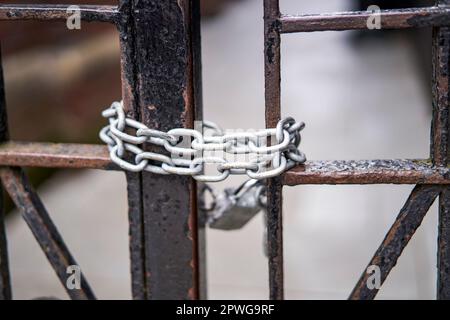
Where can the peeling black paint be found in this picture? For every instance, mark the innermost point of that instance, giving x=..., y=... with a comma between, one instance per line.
x=165, y=81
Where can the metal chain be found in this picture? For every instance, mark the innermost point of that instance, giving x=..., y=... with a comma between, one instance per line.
x=188, y=151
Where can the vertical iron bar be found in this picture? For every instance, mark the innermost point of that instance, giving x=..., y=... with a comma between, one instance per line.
x=198, y=112
x=440, y=147
x=5, y=281
x=162, y=89
x=134, y=180
x=440, y=88
x=166, y=98
x=273, y=114
x=443, y=281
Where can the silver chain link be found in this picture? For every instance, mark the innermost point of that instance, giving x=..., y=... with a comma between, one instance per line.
x=188, y=151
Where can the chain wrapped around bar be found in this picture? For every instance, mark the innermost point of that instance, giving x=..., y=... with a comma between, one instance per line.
x=184, y=157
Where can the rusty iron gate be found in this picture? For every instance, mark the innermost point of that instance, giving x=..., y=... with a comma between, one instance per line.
x=161, y=87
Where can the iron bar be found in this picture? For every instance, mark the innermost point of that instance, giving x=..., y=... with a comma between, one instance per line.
x=198, y=112
x=357, y=20
x=272, y=77
x=443, y=262
x=163, y=87
x=440, y=126
x=55, y=155
x=5, y=279
x=404, y=227
x=47, y=12
x=440, y=146
x=79, y=156
x=170, y=215
x=367, y=172
x=134, y=180
x=43, y=229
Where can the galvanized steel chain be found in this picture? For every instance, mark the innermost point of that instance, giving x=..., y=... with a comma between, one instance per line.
x=188, y=151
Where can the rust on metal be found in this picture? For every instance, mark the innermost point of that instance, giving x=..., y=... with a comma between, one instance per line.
x=161, y=79
x=440, y=89
x=440, y=147
x=161, y=87
x=134, y=180
x=433, y=172
x=170, y=218
x=275, y=238
x=272, y=77
x=367, y=172
x=390, y=19
x=198, y=112
x=443, y=260
x=43, y=229
x=272, y=56
x=55, y=155
x=47, y=12
x=404, y=227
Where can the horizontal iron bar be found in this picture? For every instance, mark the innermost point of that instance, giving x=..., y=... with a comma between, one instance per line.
x=55, y=155
x=79, y=156
x=390, y=19
x=367, y=172
x=57, y=12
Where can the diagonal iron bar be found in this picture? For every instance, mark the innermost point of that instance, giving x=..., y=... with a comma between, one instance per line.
x=404, y=227
x=43, y=229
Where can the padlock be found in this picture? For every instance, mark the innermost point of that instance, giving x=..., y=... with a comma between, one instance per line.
x=234, y=208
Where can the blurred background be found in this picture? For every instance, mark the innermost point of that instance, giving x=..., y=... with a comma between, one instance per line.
x=363, y=95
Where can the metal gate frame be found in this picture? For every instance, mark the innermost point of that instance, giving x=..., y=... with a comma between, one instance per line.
x=161, y=87
x=431, y=177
